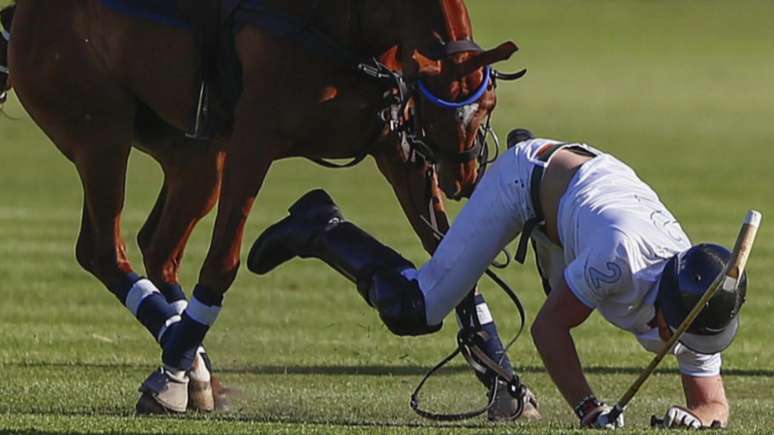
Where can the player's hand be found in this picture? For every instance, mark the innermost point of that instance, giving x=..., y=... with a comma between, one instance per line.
x=600, y=418
x=677, y=417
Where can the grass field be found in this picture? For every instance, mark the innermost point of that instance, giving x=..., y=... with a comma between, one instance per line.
x=682, y=90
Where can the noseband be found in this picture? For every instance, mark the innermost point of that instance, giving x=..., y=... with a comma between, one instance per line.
x=445, y=104
x=419, y=138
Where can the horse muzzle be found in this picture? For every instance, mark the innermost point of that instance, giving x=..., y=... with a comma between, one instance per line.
x=458, y=181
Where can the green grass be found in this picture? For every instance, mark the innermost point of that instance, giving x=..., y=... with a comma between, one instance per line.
x=682, y=90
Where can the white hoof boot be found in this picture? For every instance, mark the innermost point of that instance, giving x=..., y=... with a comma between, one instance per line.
x=200, y=395
x=505, y=406
x=164, y=392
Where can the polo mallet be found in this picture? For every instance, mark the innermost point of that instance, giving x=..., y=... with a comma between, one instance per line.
x=728, y=280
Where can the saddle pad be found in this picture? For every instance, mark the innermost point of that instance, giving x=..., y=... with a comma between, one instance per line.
x=161, y=11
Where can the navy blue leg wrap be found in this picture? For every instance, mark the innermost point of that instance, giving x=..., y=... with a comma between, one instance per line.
x=186, y=336
x=145, y=302
x=173, y=292
x=473, y=313
x=122, y=289
x=154, y=313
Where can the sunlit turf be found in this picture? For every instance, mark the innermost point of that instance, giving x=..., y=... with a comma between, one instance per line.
x=681, y=90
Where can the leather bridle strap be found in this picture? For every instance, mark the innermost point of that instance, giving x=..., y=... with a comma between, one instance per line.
x=466, y=156
x=461, y=46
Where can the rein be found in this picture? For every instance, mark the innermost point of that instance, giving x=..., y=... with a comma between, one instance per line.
x=468, y=341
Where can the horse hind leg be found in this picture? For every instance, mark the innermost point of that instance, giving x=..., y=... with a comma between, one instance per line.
x=100, y=156
x=75, y=99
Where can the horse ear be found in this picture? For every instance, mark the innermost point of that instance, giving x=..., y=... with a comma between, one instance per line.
x=427, y=67
x=500, y=53
x=390, y=59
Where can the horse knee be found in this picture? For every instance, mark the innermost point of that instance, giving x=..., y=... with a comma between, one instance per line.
x=160, y=266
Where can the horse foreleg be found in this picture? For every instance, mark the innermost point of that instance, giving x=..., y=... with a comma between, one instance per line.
x=422, y=201
x=190, y=190
x=148, y=229
x=191, y=187
x=245, y=167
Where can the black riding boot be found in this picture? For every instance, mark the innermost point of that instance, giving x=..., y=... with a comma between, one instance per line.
x=316, y=228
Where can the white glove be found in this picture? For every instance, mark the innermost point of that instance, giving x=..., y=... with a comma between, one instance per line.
x=678, y=417
x=599, y=418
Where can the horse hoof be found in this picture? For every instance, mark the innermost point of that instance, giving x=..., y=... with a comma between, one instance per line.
x=505, y=407
x=163, y=394
x=147, y=405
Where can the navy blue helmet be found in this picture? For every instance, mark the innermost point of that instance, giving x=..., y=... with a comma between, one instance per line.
x=686, y=277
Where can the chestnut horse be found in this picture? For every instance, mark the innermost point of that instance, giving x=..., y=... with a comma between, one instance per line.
x=99, y=82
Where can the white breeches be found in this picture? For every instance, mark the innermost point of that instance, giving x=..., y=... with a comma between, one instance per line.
x=494, y=215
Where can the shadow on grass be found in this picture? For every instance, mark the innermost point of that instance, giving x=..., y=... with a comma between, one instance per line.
x=377, y=370
x=366, y=425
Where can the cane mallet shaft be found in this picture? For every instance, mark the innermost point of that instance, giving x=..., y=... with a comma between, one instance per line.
x=728, y=279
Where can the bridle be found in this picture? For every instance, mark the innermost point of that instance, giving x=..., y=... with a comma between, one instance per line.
x=416, y=143
x=396, y=117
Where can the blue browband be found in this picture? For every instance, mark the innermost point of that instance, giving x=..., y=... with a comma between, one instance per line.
x=440, y=102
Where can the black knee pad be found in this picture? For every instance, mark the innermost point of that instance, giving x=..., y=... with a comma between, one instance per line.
x=400, y=303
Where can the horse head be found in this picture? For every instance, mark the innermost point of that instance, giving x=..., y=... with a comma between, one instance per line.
x=455, y=103
x=454, y=85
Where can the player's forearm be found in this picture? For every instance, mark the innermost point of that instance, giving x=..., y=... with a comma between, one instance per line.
x=557, y=349
x=706, y=398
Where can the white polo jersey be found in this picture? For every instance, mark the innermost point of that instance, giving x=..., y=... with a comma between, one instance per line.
x=616, y=235
x=616, y=239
